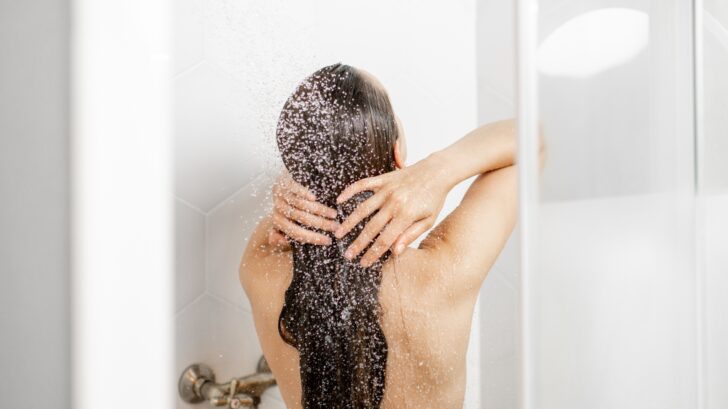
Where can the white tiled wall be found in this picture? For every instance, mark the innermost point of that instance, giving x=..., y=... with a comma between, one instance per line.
x=228, y=226
x=214, y=136
x=213, y=320
x=235, y=64
x=190, y=250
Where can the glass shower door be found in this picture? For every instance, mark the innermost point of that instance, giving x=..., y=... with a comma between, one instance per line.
x=611, y=310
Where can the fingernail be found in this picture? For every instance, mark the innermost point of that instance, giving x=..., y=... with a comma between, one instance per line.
x=399, y=248
x=349, y=254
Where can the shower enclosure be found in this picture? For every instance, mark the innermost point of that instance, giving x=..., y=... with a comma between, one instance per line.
x=623, y=237
x=609, y=294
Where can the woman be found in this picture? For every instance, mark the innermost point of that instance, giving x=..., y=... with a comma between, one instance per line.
x=347, y=315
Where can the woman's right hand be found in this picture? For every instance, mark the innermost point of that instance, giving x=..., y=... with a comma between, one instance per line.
x=294, y=209
x=408, y=202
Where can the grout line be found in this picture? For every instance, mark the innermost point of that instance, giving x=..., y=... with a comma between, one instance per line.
x=244, y=186
x=188, y=69
x=493, y=90
x=506, y=279
x=228, y=302
x=187, y=306
x=190, y=205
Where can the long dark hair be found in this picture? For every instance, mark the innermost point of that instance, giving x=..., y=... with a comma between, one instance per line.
x=336, y=128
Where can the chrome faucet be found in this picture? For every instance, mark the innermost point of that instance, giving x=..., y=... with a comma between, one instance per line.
x=197, y=384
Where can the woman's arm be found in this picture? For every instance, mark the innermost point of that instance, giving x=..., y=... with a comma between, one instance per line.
x=409, y=200
x=488, y=148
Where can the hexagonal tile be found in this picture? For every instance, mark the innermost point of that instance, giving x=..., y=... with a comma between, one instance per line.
x=189, y=254
x=228, y=227
x=219, y=334
x=189, y=34
x=217, y=136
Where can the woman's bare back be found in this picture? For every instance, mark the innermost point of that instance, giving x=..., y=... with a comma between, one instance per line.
x=426, y=294
x=426, y=323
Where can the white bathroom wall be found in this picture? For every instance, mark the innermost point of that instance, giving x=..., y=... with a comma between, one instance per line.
x=499, y=298
x=235, y=64
x=213, y=320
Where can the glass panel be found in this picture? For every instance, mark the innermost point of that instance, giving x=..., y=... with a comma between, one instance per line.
x=612, y=274
x=713, y=216
x=715, y=103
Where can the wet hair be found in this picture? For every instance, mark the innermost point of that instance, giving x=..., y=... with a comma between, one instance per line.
x=336, y=128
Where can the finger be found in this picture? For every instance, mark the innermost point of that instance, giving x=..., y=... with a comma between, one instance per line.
x=297, y=232
x=362, y=211
x=312, y=207
x=279, y=187
x=308, y=219
x=384, y=241
x=286, y=186
x=370, y=231
x=276, y=238
x=411, y=234
x=360, y=186
x=300, y=190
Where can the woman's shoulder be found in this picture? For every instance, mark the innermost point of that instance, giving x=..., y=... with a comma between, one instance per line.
x=263, y=272
x=423, y=273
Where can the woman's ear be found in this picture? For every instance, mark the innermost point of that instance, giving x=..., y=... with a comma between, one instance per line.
x=400, y=153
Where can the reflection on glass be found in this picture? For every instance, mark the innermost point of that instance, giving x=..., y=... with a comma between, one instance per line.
x=715, y=89
x=594, y=42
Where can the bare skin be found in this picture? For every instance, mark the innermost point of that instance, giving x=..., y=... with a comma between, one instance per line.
x=428, y=293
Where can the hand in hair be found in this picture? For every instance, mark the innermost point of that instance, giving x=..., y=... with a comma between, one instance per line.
x=407, y=202
x=294, y=209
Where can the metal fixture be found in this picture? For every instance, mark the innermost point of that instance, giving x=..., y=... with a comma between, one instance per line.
x=197, y=384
